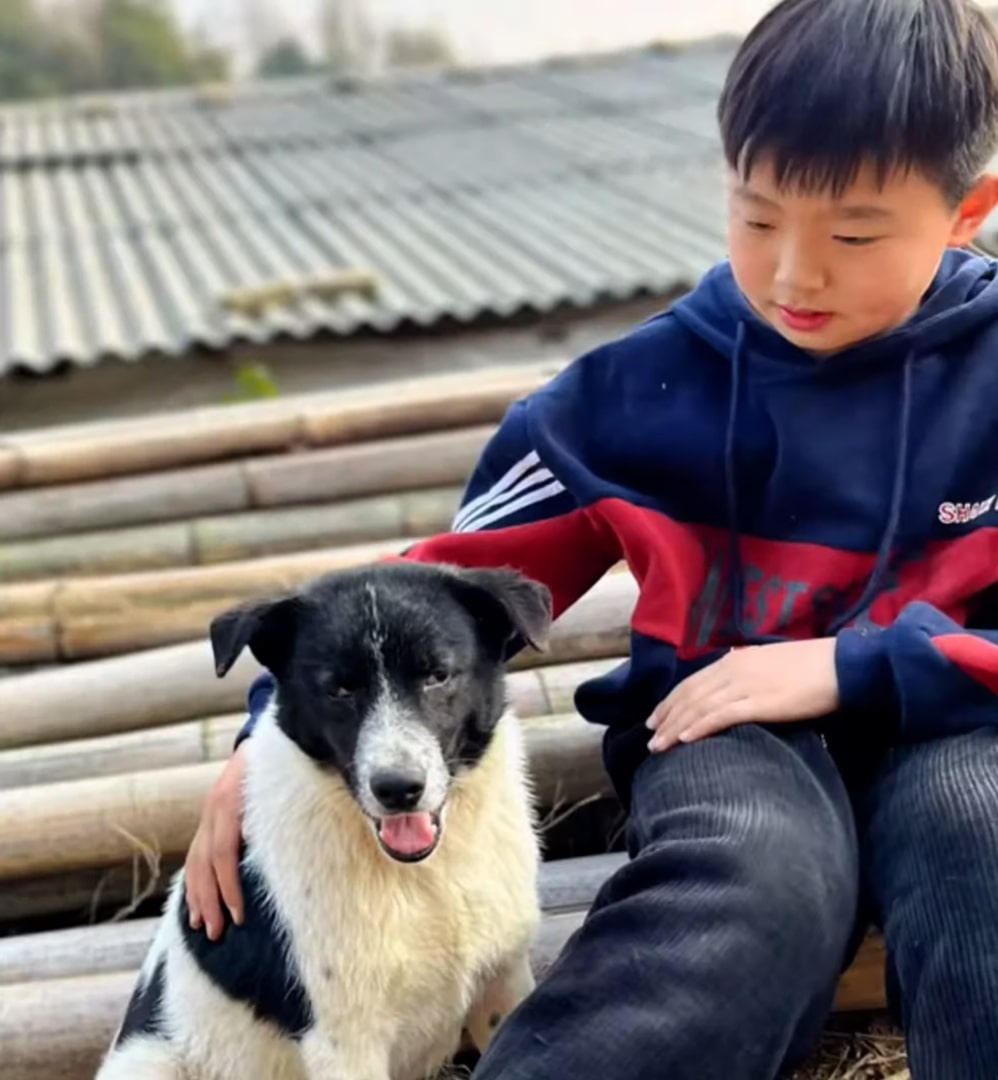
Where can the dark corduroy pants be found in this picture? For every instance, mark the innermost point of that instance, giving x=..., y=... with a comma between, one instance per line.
x=715, y=952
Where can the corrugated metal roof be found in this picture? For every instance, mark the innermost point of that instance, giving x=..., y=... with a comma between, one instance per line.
x=127, y=222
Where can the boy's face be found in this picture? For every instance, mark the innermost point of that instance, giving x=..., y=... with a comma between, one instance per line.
x=830, y=272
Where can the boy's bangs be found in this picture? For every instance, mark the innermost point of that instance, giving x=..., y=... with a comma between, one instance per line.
x=807, y=158
x=822, y=88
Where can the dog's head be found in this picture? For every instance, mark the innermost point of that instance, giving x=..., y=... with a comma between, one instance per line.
x=392, y=675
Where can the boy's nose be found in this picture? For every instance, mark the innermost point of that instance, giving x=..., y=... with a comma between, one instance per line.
x=798, y=273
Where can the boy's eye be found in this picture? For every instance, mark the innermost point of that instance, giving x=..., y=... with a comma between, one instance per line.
x=857, y=241
x=760, y=226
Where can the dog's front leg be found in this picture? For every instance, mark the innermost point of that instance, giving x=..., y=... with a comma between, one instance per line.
x=498, y=999
x=325, y=1058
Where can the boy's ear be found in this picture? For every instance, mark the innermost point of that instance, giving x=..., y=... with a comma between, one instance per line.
x=980, y=201
x=266, y=626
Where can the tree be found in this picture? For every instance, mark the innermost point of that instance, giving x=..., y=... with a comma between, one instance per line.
x=141, y=44
x=283, y=59
x=35, y=59
x=208, y=63
x=87, y=45
x=417, y=46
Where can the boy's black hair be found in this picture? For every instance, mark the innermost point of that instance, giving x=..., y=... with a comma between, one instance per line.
x=820, y=87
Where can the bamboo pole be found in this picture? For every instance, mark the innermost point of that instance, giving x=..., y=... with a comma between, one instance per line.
x=563, y=885
x=113, y=755
x=82, y=950
x=124, y=693
x=122, y=614
x=10, y=467
x=59, y=1029
x=104, y=821
x=212, y=738
x=110, y=616
x=230, y=537
x=28, y=627
x=89, y=895
x=367, y=468
x=84, y=895
x=425, y=404
x=353, y=521
x=130, y=500
x=382, y=467
x=178, y=683
x=566, y=886
x=88, y=1008
x=172, y=440
x=145, y=547
x=187, y=438
x=560, y=681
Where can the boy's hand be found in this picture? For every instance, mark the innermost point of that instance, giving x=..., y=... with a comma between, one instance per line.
x=758, y=684
x=213, y=860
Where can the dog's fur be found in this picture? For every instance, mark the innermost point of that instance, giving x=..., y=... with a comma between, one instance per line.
x=352, y=963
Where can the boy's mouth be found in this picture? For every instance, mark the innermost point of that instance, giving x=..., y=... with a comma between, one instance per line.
x=803, y=320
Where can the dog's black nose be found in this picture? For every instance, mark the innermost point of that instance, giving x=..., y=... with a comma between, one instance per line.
x=398, y=792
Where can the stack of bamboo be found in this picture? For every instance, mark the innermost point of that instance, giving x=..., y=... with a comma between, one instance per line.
x=118, y=543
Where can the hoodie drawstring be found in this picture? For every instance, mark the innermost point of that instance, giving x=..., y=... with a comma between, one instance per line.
x=882, y=564
x=735, y=569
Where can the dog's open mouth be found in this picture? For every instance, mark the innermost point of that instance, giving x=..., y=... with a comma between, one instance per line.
x=409, y=837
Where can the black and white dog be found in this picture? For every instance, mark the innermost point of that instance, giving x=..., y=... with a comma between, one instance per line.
x=391, y=858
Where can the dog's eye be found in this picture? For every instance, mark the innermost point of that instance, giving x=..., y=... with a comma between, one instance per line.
x=341, y=693
x=440, y=677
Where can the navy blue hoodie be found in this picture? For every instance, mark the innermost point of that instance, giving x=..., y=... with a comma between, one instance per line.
x=758, y=494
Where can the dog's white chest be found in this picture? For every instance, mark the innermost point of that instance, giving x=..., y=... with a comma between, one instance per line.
x=392, y=956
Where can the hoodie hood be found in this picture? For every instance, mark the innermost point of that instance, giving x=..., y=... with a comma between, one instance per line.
x=963, y=297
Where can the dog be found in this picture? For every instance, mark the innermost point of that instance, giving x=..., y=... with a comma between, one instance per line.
x=391, y=847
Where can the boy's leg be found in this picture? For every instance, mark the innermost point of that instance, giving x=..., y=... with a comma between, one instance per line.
x=714, y=954
x=930, y=851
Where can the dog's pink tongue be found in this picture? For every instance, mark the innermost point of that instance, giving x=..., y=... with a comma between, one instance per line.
x=408, y=834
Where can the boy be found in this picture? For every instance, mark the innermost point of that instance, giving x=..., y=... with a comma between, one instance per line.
x=801, y=458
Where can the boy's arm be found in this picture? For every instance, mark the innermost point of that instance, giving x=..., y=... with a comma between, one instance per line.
x=941, y=679
x=514, y=514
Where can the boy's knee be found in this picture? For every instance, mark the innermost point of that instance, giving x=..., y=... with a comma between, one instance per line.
x=749, y=807
x=780, y=882
x=766, y=924
x=940, y=799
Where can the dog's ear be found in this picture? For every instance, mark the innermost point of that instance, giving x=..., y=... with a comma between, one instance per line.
x=515, y=605
x=266, y=626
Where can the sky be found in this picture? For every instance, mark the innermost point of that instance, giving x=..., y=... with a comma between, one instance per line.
x=497, y=31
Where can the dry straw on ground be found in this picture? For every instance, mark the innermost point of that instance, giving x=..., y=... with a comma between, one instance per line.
x=875, y=1054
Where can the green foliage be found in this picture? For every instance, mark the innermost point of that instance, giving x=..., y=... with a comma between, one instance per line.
x=141, y=44
x=417, y=46
x=94, y=45
x=33, y=52
x=354, y=42
x=103, y=45
x=254, y=382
